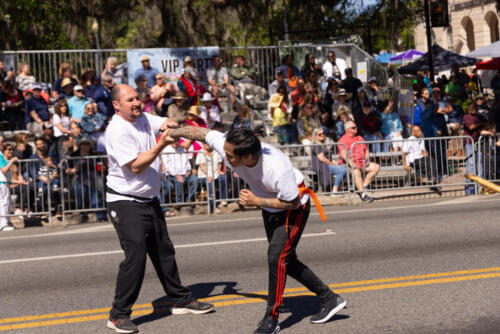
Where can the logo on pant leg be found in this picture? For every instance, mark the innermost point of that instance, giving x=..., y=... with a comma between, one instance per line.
x=113, y=214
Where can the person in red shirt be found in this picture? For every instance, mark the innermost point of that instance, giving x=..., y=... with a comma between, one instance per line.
x=358, y=160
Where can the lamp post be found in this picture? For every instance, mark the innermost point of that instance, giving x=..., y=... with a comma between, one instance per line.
x=95, y=30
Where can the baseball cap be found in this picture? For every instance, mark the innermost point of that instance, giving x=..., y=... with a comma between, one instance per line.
x=36, y=85
x=78, y=87
x=188, y=59
x=278, y=70
x=372, y=79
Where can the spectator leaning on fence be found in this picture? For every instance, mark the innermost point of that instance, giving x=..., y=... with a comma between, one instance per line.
x=77, y=103
x=24, y=80
x=65, y=72
x=12, y=100
x=87, y=179
x=434, y=125
x=416, y=157
x=358, y=159
x=6, y=161
x=36, y=111
x=324, y=166
x=473, y=124
x=489, y=148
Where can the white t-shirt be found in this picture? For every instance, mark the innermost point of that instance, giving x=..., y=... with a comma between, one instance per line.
x=413, y=149
x=272, y=177
x=213, y=113
x=176, y=161
x=328, y=68
x=64, y=120
x=124, y=141
x=211, y=164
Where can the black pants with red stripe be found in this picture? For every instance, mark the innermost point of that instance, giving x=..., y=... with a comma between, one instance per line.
x=282, y=258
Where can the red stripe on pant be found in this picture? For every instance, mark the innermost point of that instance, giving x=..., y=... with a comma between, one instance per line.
x=281, y=263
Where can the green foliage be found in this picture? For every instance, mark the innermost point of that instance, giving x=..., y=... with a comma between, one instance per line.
x=51, y=24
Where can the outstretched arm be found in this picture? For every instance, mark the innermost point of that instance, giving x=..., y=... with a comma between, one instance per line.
x=189, y=132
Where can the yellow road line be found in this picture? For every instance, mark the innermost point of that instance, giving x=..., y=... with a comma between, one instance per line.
x=142, y=309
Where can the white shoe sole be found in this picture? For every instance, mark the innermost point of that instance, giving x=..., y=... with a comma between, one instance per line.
x=276, y=330
x=112, y=326
x=183, y=310
x=331, y=314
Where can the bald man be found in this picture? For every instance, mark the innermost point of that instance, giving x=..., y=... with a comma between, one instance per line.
x=133, y=184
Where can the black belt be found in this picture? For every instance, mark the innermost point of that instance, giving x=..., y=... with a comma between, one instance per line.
x=114, y=192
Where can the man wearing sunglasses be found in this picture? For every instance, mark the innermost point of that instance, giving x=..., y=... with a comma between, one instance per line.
x=358, y=160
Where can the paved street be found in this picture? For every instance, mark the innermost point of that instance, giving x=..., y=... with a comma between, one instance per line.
x=424, y=266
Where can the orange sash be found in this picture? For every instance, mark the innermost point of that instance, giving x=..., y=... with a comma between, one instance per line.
x=304, y=190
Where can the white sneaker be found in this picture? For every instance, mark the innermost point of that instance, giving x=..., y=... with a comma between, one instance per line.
x=7, y=228
x=18, y=212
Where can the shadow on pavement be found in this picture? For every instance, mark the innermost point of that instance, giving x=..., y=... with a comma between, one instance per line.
x=303, y=307
x=162, y=307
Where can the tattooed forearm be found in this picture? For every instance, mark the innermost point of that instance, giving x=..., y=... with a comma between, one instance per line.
x=276, y=203
x=189, y=132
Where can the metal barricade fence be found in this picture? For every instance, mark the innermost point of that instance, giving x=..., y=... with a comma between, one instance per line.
x=83, y=181
x=30, y=193
x=181, y=181
x=487, y=157
x=381, y=170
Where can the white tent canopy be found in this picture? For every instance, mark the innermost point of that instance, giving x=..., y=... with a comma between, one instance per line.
x=492, y=51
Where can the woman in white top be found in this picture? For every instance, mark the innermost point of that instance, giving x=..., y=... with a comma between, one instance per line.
x=24, y=80
x=208, y=111
x=62, y=125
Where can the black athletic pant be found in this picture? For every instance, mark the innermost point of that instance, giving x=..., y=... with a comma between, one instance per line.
x=142, y=230
x=282, y=258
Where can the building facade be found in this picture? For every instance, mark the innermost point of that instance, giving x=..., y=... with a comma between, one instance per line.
x=473, y=24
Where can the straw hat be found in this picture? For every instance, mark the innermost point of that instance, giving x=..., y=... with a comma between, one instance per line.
x=179, y=96
x=194, y=111
x=275, y=100
x=342, y=92
x=65, y=82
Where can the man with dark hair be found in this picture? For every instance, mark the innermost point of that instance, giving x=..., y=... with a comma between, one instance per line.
x=350, y=83
x=278, y=188
x=133, y=184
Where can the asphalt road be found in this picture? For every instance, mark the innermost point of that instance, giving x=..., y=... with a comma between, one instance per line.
x=404, y=267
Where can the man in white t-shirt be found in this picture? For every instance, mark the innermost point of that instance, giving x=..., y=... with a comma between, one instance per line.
x=133, y=184
x=274, y=186
x=415, y=155
x=334, y=67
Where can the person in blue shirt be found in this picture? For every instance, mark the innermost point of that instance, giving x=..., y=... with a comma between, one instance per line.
x=93, y=123
x=434, y=125
x=420, y=106
x=77, y=103
x=148, y=71
x=392, y=127
x=102, y=96
x=36, y=111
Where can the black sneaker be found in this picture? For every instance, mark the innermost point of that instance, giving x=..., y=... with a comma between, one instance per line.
x=366, y=199
x=194, y=307
x=268, y=325
x=122, y=325
x=328, y=310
